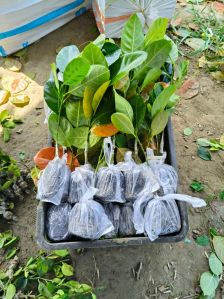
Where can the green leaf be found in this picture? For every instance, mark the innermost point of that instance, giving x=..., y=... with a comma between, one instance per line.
x=10, y=292
x=162, y=100
x=215, y=264
x=204, y=153
x=97, y=75
x=4, y=114
x=43, y=290
x=197, y=186
x=188, y=131
x=79, y=137
x=159, y=123
x=173, y=55
x=156, y=31
x=213, y=232
x=75, y=71
x=218, y=243
x=182, y=70
x=99, y=95
x=132, y=37
x=6, y=134
x=93, y=54
x=221, y=195
x=208, y=283
x=51, y=96
x=122, y=123
x=62, y=252
x=203, y=142
x=9, y=124
x=151, y=77
x=87, y=102
x=100, y=40
x=62, y=133
x=54, y=72
x=126, y=63
x=75, y=113
x=202, y=240
x=105, y=110
x=123, y=105
x=67, y=269
x=42, y=266
x=111, y=52
x=3, y=275
x=66, y=55
x=139, y=110
x=11, y=253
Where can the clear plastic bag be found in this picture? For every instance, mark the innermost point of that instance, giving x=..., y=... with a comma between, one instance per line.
x=81, y=179
x=162, y=215
x=110, y=179
x=126, y=225
x=57, y=222
x=137, y=177
x=53, y=185
x=88, y=219
x=112, y=210
x=165, y=174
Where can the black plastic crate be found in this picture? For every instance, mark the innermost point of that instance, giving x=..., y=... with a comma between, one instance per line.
x=45, y=243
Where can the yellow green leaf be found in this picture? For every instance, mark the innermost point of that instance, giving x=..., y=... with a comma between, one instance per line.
x=87, y=101
x=20, y=100
x=4, y=96
x=99, y=95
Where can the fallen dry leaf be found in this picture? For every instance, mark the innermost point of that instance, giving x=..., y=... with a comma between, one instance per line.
x=218, y=6
x=176, y=22
x=14, y=85
x=4, y=96
x=13, y=64
x=202, y=61
x=193, y=26
x=195, y=43
x=189, y=89
x=20, y=100
x=218, y=75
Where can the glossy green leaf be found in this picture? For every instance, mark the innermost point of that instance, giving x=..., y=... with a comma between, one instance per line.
x=139, y=110
x=9, y=124
x=4, y=114
x=11, y=253
x=75, y=71
x=104, y=111
x=202, y=240
x=66, y=55
x=10, y=291
x=93, y=54
x=75, y=113
x=63, y=133
x=197, y=186
x=51, y=96
x=99, y=95
x=182, y=70
x=111, y=52
x=151, y=77
x=44, y=291
x=79, y=137
x=6, y=134
x=208, y=283
x=159, y=123
x=122, y=123
x=87, y=101
x=156, y=31
x=126, y=63
x=173, y=100
x=54, y=72
x=173, y=55
x=162, y=100
x=123, y=106
x=204, y=153
x=67, y=269
x=218, y=243
x=215, y=264
x=100, y=40
x=188, y=131
x=132, y=37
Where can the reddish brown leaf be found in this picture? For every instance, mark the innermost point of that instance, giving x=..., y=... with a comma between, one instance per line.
x=104, y=130
x=189, y=89
x=219, y=7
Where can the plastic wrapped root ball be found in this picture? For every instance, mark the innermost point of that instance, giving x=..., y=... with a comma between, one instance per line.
x=88, y=219
x=57, y=222
x=162, y=215
x=137, y=177
x=165, y=174
x=53, y=185
x=126, y=225
x=110, y=179
x=81, y=179
x=112, y=210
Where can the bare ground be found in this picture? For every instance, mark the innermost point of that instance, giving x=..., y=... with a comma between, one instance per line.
x=176, y=266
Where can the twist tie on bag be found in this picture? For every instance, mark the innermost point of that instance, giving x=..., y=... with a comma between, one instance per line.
x=86, y=153
x=151, y=157
x=108, y=148
x=89, y=194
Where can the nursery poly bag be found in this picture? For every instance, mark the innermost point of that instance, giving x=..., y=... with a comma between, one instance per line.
x=111, y=15
x=165, y=174
x=126, y=226
x=136, y=177
x=53, y=185
x=88, y=219
x=57, y=222
x=81, y=179
x=162, y=215
x=110, y=179
x=113, y=212
x=23, y=22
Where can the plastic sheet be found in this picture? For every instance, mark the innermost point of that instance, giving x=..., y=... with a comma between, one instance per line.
x=53, y=185
x=110, y=179
x=81, y=179
x=57, y=222
x=126, y=225
x=165, y=174
x=88, y=219
x=162, y=216
x=113, y=212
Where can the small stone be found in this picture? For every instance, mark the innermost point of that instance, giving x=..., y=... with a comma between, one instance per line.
x=166, y=269
x=186, y=146
x=209, y=133
x=38, y=113
x=19, y=131
x=193, y=157
x=198, y=290
x=8, y=215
